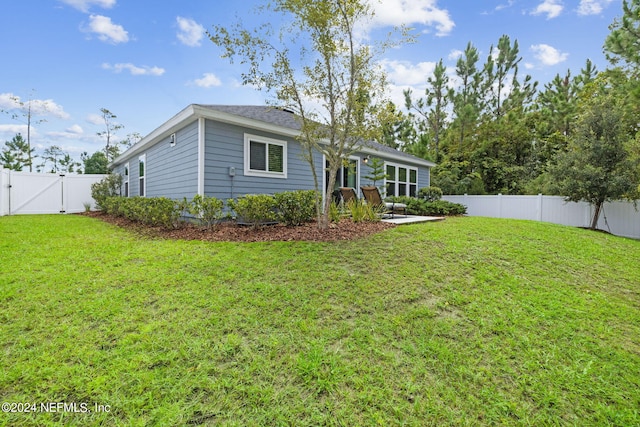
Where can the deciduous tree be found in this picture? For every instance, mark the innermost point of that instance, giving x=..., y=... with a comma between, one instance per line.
x=598, y=165
x=95, y=163
x=320, y=69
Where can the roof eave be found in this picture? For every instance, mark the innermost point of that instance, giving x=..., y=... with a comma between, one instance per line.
x=195, y=111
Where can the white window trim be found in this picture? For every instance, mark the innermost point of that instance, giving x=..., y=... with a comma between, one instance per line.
x=395, y=179
x=357, y=172
x=126, y=179
x=266, y=174
x=146, y=173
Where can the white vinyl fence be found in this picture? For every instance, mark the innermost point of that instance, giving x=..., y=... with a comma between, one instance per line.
x=44, y=193
x=620, y=218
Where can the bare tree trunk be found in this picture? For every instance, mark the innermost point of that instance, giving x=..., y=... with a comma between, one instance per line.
x=323, y=224
x=596, y=216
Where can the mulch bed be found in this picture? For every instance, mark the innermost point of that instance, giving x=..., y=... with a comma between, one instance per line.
x=230, y=232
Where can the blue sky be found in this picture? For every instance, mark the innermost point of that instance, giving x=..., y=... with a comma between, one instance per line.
x=147, y=60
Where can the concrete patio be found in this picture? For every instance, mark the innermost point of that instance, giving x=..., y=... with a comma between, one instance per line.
x=411, y=219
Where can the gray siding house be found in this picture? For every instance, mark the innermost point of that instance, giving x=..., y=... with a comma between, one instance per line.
x=227, y=151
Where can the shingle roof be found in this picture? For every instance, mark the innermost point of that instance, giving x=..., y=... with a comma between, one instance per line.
x=287, y=119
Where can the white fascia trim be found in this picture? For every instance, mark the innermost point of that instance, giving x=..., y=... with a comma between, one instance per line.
x=396, y=157
x=166, y=129
x=233, y=119
x=201, y=152
x=193, y=112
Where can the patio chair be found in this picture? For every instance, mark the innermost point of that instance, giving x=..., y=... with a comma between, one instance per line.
x=348, y=194
x=372, y=195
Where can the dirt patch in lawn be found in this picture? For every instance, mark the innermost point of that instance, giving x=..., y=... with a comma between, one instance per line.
x=231, y=232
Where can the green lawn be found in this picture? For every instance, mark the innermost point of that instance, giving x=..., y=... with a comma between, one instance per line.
x=468, y=321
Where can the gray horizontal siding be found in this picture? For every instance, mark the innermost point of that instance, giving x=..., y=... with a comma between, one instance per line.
x=225, y=148
x=424, y=177
x=173, y=171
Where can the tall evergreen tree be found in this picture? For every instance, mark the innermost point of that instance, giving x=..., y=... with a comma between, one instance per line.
x=465, y=99
x=500, y=75
x=16, y=154
x=623, y=43
x=432, y=108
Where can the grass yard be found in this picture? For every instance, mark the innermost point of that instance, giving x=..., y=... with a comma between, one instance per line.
x=468, y=321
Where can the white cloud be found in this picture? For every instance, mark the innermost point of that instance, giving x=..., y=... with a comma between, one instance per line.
x=11, y=130
x=106, y=30
x=505, y=6
x=84, y=5
x=74, y=132
x=455, y=54
x=592, y=7
x=190, y=32
x=95, y=119
x=39, y=107
x=552, y=8
x=134, y=69
x=548, y=55
x=75, y=129
x=208, y=80
x=403, y=73
x=411, y=12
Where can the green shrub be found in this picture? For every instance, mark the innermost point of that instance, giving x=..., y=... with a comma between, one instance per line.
x=109, y=186
x=425, y=208
x=163, y=212
x=154, y=211
x=361, y=211
x=111, y=205
x=296, y=207
x=443, y=207
x=335, y=214
x=254, y=209
x=430, y=194
x=207, y=209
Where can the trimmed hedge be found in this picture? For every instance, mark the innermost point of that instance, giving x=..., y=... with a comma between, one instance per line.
x=430, y=194
x=435, y=208
x=296, y=207
x=254, y=209
x=207, y=209
x=154, y=211
x=290, y=207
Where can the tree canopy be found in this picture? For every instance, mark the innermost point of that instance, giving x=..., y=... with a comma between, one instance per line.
x=317, y=67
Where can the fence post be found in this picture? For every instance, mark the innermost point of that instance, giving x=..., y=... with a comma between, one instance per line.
x=499, y=205
x=539, y=212
x=2, y=191
x=63, y=194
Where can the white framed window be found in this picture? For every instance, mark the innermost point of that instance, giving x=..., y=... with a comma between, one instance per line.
x=142, y=160
x=401, y=180
x=265, y=157
x=126, y=180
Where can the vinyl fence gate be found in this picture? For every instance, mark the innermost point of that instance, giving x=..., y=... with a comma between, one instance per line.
x=44, y=193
